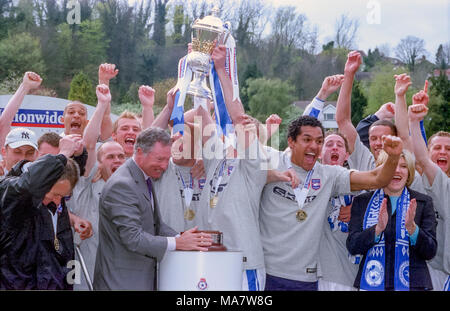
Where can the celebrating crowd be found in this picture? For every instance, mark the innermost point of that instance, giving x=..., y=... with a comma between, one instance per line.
x=358, y=208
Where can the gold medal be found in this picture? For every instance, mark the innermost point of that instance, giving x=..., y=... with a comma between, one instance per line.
x=56, y=243
x=213, y=201
x=301, y=215
x=189, y=214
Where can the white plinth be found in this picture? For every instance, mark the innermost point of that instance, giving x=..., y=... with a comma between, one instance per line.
x=199, y=271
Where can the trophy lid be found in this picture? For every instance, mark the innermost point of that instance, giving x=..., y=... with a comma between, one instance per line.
x=210, y=22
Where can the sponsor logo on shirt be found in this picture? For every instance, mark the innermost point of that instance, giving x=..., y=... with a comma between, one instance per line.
x=221, y=187
x=290, y=196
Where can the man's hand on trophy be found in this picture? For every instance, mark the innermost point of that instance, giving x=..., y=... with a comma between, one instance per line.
x=193, y=240
x=218, y=56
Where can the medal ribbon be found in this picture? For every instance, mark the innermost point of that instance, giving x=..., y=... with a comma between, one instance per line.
x=219, y=178
x=187, y=189
x=55, y=225
x=301, y=193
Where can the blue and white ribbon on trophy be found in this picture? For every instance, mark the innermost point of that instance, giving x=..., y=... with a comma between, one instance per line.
x=184, y=78
x=223, y=120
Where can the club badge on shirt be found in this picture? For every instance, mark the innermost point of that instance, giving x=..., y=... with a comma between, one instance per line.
x=201, y=183
x=315, y=184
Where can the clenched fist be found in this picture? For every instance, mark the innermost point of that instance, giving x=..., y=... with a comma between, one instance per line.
x=392, y=145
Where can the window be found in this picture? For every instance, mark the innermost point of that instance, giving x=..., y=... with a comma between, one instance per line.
x=328, y=116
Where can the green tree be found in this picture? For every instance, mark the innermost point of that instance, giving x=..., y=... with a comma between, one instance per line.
x=272, y=96
x=251, y=72
x=178, y=22
x=20, y=53
x=359, y=103
x=439, y=105
x=6, y=17
x=82, y=47
x=441, y=59
x=372, y=59
x=82, y=89
x=159, y=34
x=380, y=89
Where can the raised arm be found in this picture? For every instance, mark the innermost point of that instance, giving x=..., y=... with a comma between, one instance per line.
x=272, y=124
x=382, y=175
x=162, y=119
x=235, y=108
x=92, y=130
x=106, y=72
x=30, y=82
x=416, y=113
x=343, y=109
x=147, y=98
x=402, y=83
x=329, y=86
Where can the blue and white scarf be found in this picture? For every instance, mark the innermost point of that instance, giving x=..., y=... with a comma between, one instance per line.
x=336, y=203
x=374, y=270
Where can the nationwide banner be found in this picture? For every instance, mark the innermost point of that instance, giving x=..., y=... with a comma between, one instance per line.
x=42, y=114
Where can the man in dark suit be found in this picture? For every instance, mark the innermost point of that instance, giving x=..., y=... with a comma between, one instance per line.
x=132, y=236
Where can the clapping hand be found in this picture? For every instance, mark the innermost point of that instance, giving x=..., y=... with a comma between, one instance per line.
x=382, y=218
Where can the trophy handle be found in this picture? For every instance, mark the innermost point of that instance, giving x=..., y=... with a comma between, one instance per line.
x=226, y=33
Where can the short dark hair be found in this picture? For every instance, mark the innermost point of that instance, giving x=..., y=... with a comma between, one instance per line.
x=387, y=123
x=295, y=126
x=50, y=138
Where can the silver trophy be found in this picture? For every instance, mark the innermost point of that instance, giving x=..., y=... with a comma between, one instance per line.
x=204, y=34
x=196, y=68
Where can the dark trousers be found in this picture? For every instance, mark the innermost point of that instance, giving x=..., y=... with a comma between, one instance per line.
x=277, y=283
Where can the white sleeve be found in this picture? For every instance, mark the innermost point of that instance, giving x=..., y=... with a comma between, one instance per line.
x=171, y=244
x=315, y=109
x=439, y=191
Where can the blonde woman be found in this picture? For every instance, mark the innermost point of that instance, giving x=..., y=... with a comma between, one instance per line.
x=394, y=228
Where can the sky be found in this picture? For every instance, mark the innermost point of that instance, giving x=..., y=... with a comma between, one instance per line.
x=381, y=22
x=396, y=19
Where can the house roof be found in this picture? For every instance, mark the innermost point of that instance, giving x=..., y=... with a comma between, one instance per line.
x=303, y=103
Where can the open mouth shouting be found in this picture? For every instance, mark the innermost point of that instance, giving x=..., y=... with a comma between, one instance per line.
x=334, y=157
x=310, y=158
x=442, y=162
x=75, y=127
x=129, y=141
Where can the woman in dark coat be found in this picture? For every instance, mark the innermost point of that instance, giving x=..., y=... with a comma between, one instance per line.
x=394, y=228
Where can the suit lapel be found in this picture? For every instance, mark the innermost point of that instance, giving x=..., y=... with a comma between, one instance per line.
x=138, y=176
x=141, y=185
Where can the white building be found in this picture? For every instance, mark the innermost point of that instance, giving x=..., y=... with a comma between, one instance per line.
x=329, y=113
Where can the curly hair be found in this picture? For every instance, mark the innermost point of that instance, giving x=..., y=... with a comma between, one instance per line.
x=295, y=127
